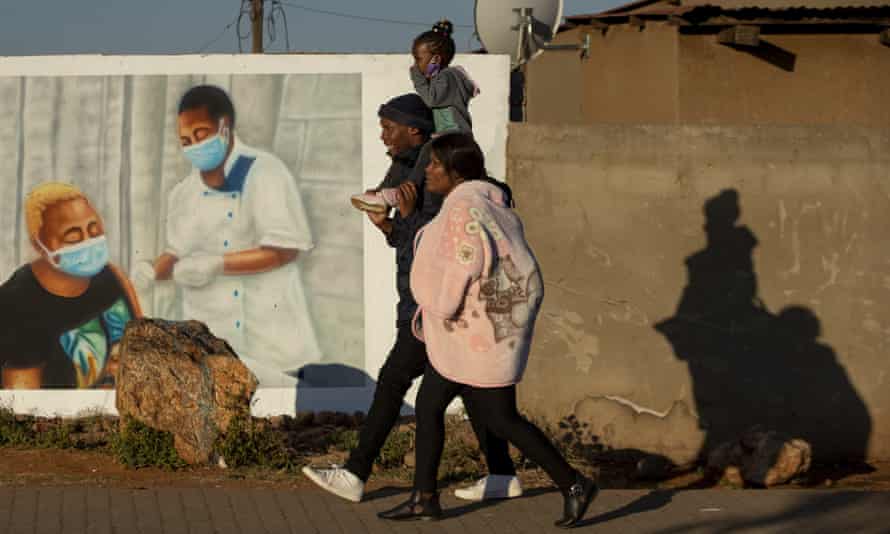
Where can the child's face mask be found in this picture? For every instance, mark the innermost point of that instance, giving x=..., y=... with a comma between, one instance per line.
x=433, y=68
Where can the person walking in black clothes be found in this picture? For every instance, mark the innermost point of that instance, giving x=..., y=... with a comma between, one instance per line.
x=406, y=123
x=479, y=290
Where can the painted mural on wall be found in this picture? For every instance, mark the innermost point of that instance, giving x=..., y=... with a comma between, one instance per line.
x=64, y=314
x=217, y=198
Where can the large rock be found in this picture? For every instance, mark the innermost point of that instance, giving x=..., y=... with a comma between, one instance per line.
x=180, y=378
x=764, y=458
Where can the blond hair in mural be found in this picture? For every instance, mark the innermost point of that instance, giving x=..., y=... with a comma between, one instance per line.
x=44, y=196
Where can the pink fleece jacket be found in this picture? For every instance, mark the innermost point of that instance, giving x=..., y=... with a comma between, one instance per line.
x=478, y=288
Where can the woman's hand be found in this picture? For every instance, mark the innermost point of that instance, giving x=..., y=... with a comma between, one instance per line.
x=407, y=199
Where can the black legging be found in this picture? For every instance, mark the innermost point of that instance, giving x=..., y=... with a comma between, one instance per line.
x=494, y=408
x=405, y=362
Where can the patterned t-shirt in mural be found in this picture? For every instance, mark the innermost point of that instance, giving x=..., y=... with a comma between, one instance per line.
x=71, y=340
x=91, y=345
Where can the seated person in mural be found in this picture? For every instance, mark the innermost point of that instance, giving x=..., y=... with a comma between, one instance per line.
x=63, y=315
x=235, y=228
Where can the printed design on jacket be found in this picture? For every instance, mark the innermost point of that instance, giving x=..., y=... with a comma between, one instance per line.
x=462, y=234
x=451, y=323
x=482, y=220
x=466, y=253
x=506, y=294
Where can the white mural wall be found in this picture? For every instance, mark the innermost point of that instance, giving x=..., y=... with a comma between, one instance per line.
x=108, y=125
x=115, y=137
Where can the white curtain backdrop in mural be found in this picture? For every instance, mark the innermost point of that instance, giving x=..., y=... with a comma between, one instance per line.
x=116, y=139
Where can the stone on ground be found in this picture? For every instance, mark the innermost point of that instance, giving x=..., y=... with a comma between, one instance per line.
x=763, y=458
x=179, y=378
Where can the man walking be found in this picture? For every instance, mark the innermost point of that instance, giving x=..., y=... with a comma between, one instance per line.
x=406, y=123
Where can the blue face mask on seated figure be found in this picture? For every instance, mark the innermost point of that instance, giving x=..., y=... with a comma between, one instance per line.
x=211, y=152
x=85, y=259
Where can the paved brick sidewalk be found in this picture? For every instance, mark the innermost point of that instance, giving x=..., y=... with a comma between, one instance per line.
x=198, y=511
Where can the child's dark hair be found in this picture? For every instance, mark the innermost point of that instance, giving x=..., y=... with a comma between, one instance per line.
x=215, y=100
x=439, y=41
x=461, y=155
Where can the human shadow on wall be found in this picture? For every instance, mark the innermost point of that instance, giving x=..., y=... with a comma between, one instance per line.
x=313, y=378
x=329, y=375
x=750, y=366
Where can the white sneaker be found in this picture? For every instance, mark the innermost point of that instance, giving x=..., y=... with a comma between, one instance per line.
x=338, y=481
x=491, y=487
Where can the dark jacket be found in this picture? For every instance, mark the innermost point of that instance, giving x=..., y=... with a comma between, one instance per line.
x=448, y=94
x=404, y=229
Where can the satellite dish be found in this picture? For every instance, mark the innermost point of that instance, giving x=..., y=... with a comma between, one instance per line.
x=520, y=28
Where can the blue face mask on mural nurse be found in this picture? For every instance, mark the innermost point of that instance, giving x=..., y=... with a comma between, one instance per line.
x=211, y=152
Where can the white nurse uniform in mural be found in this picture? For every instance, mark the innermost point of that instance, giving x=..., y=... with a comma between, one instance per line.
x=263, y=316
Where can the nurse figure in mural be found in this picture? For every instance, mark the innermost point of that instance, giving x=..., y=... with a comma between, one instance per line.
x=235, y=228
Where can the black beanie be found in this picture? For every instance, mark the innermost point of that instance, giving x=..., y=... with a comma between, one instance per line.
x=408, y=110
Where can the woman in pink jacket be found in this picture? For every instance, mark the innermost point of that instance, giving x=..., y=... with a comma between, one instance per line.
x=479, y=289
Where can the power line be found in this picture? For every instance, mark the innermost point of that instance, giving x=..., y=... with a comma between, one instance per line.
x=362, y=17
x=246, y=9
x=246, y=12
x=220, y=35
x=272, y=25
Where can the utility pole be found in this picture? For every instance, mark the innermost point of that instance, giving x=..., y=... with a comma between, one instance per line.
x=256, y=29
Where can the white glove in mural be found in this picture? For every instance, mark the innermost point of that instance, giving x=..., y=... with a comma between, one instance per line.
x=143, y=276
x=197, y=270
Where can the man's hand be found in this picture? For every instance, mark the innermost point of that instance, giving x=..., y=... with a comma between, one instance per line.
x=381, y=221
x=377, y=218
x=407, y=199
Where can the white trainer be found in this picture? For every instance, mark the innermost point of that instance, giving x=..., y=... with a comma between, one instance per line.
x=338, y=481
x=491, y=487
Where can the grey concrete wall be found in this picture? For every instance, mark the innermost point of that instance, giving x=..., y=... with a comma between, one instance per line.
x=554, y=88
x=629, y=76
x=826, y=79
x=703, y=279
x=657, y=75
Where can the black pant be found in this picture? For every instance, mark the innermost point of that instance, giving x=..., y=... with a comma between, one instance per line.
x=495, y=408
x=405, y=362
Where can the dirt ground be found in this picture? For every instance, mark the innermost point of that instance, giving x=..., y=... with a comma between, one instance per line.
x=52, y=467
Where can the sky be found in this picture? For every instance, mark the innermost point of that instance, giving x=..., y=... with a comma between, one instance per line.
x=39, y=27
